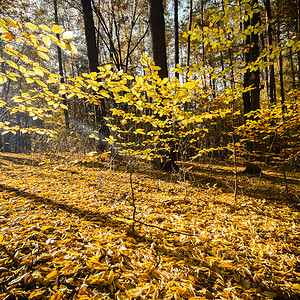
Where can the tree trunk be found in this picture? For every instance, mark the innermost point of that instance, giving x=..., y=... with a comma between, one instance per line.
x=176, y=36
x=246, y=96
x=157, y=33
x=159, y=55
x=272, y=84
x=60, y=65
x=292, y=68
x=189, y=37
x=92, y=53
x=280, y=65
x=203, y=46
x=254, y=54
x=298, y=37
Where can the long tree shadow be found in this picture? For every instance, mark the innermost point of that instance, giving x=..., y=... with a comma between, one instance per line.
x=269, y=187
x=102, y=218
x=20, y=161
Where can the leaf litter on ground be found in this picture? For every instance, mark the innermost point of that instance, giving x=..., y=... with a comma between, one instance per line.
x=66, y=234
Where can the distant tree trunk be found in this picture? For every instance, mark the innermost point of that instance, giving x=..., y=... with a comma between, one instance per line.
x=254, y=54
x=61, y=73
x=176, y=35
x=246, y=96
x=189, y=37
x=298, y=35
x=92, y=53
x=281, y=78
x=265, y=59
x=280, y=65
x=292, y=68
x=157, y=33
x=203, y=46
x=272, y=84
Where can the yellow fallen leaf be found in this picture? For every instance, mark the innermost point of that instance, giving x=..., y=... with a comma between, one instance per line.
x=296, y=286
x=57, y=296
x=52, y=275
x=136, y=292
x=36, y=294
x=110, y=277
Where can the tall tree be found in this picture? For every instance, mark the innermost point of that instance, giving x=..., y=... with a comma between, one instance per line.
x=157, y=33
x=189, y=37
x=60, y=64
x=92, y=53
x=270, y=42
x=251, y=99
x=254, y=54
x=176, y=35
x=159, y=55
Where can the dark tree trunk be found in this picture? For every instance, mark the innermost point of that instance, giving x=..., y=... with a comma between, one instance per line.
x=280, y=65
x=157, y=33
x=189, y=37
x=176, y=35
x=292, y=68
x=254, y=54
x=246, y=96
x=61, y=73
x=298, y=35
x=265, y=59
x=203, y=46
x=92, y=53
x=159, y=55
x=270, y=42
x=281, y=78
x=90, y=35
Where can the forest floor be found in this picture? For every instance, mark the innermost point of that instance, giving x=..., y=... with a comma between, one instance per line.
x=66, y=232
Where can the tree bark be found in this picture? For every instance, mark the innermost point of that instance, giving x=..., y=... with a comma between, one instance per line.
x=282, y=95
x=246, y=95
x=159, y=55
x=254, y=54
x=157, y=35
x=176, y=36
x=189, y=37
x=272, y=84
x=92, y=53
x=60, y=65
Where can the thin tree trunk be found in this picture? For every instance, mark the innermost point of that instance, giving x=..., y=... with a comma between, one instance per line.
x=189, y=37
x=60, y=65
x=176, y=36
x=281, y=78
x=272, y=84
x=280, y=65
x=292, y=68
x=266, y=69
x=298, y=35
x=203, y=46
x=246, y=95
x=254, y=54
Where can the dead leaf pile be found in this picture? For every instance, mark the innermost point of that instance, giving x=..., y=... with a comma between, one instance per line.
x=66, y=234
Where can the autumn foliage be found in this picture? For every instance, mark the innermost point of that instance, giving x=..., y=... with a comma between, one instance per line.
x=66, y=234
x=87, y=217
